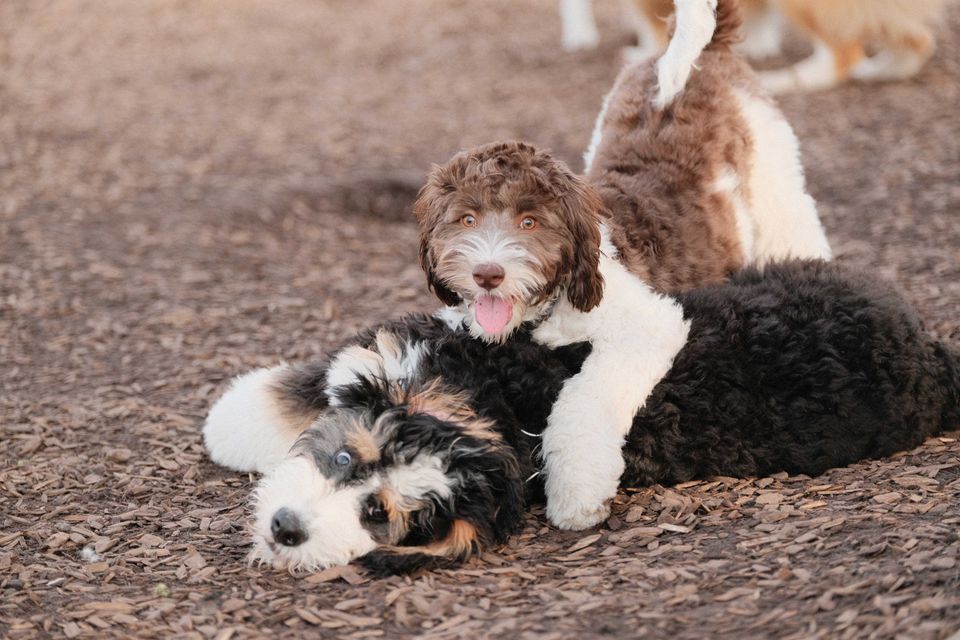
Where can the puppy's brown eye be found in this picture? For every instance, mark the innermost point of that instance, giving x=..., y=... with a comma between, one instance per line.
x=468, y=220
x=528, y=223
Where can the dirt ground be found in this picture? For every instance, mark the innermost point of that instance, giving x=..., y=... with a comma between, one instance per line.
x=189, y=189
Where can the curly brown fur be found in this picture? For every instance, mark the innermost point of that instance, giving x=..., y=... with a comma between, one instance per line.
x=656, y=170
x=506, y=180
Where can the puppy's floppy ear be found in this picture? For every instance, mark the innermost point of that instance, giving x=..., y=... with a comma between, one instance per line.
x=582, y=209
x=488, y=498
x=444, y=293
x=429, y=208
x=489, y=506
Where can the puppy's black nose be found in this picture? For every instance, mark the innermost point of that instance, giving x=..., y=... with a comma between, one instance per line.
x=489, y=275
x=287, y=528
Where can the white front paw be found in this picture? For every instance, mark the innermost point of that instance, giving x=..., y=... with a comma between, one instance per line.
x=576, y=512
x=580, y=483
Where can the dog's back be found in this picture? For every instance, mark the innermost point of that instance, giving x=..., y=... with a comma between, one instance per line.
x=665, y=160
x=699, y=171
x=800, y=367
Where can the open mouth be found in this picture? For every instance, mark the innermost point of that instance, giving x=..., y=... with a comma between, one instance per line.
x=493, y=313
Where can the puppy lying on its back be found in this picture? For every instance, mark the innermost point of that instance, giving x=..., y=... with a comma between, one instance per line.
x=693, y=174
x=428, y=453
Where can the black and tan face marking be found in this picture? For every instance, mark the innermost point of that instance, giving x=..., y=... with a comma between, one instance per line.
x=405, y=473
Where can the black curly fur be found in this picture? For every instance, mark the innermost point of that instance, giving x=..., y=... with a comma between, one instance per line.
x=800, y=367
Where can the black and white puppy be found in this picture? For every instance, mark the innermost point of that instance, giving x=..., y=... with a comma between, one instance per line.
x=417, y=444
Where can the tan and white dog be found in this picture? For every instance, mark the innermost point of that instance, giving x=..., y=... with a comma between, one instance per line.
x=842, y=32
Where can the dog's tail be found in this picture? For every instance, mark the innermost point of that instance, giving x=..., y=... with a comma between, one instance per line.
x=700, y=24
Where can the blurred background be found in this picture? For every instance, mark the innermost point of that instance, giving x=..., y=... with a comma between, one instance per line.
x=190, y=188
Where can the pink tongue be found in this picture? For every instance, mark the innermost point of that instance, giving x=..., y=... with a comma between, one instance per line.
x=493, y=313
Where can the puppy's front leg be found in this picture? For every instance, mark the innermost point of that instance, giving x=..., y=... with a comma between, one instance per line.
x=635, y=335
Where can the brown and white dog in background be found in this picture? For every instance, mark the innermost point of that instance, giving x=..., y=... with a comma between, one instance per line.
x=842, y=32
x=691, y=174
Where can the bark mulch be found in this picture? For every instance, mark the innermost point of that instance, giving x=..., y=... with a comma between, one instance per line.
x=192, y=189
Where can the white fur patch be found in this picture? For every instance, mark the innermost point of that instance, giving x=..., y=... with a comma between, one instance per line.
x=246, y=429
x=349, y=365
x=421, y=476
x=784, y=216
x=579, y=29
x=889, y=65
x=400, y=362
x=635, y=334
x=331, y=516
x=763, y=33
x=696, y=21
x=453, y=317
x=728, y=183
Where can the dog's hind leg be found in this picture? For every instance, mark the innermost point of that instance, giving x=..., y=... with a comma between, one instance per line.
x=579, y=29
x=828, y=66
x=763, y=27
x=899, y=62
x=254, y=424
x=784, y=215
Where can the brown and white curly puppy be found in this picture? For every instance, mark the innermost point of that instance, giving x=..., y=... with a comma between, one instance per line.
x=688, y=181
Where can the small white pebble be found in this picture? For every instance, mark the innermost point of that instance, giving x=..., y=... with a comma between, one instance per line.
x=89, y=554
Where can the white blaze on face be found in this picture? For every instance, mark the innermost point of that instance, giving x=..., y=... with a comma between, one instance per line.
x=330, y=515
x=493, y=314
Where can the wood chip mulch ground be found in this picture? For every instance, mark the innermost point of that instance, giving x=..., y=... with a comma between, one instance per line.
x=192, y=189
